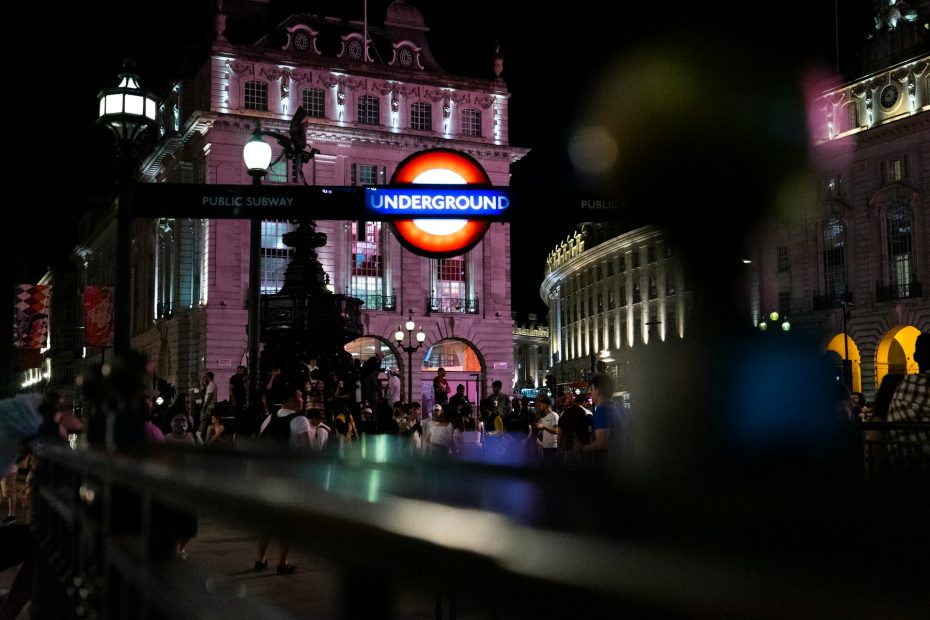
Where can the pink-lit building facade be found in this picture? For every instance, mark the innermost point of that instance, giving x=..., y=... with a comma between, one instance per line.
x=370, y=107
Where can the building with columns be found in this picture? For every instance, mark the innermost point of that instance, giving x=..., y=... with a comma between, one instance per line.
x=863, y=240
x=371, y=104
x=609, y=293
x=530, y=351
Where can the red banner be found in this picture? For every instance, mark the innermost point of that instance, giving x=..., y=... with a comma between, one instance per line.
x=30, y=316
x=98, y=316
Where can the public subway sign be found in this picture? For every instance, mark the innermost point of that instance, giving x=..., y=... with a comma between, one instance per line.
x=441, y=224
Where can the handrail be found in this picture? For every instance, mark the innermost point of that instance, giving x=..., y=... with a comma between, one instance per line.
x=556, y=536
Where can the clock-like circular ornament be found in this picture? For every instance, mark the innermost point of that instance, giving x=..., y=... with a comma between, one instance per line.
x=355, y=49
x=889, y=96
x=301, y=41
x=405, y=57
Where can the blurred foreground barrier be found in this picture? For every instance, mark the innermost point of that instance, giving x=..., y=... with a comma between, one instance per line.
x=499, y=542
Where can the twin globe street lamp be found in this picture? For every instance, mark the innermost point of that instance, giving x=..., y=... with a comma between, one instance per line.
x=409, y=349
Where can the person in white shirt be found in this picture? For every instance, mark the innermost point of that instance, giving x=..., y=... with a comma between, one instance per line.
x=321, y=432
x=549, y=425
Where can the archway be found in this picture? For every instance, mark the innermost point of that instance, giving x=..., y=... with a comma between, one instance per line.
x=464, y=365
x=895, y=352
x=363, y=348
x=837, y=346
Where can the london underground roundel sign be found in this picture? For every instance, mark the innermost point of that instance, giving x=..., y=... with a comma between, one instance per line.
x=434, y=237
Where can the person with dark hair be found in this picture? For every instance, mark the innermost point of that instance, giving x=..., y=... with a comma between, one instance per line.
x=911, y=400
x=441, y=387
x=886, y=389
x=606, y=424
x=549, y=425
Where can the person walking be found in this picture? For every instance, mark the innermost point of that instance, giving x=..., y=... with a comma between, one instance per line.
x=288, y=426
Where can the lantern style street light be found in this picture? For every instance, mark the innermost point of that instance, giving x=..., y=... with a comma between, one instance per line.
x=127, y=111
x=409, y=349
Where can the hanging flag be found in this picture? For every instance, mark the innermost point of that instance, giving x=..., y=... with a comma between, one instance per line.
x=30, y=316
x=98, y=316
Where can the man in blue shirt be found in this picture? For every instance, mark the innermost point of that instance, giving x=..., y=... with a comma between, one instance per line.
x=606, y=424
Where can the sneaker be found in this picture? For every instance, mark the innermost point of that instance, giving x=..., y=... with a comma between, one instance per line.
x=286, y=569
x=9, y=519
x=260, y=566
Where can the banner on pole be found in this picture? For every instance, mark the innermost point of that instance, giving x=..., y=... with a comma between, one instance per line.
x=98, y=316
x=30, y=316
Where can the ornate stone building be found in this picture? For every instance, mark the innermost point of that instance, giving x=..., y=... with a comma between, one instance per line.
x=371, y=104
x=530, y=352
x=610, y=292
x=863, y=242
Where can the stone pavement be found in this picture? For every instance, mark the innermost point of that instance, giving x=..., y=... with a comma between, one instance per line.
x=225, y=555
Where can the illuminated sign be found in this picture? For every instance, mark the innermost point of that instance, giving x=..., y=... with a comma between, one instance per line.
x=435, y=202
x=433, y=233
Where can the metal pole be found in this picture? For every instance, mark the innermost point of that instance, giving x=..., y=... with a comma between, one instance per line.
x=409, y=374
x=123, y=303
x=255, y=240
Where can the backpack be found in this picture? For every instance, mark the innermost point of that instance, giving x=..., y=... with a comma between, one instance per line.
x=279, y=428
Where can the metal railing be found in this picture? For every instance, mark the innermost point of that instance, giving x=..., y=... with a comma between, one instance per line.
x=378, y=302
x=452, y=304
x=478, y=533
x=909, y=290
x=826, y=302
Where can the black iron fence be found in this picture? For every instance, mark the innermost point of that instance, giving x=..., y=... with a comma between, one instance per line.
x=826, y=302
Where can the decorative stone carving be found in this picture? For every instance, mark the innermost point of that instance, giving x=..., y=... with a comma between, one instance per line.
x=240, y=68
x=485, y=101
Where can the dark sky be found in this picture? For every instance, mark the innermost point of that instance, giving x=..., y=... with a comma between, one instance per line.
x=551, y=59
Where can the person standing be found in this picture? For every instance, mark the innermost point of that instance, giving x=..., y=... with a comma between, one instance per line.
x=209, y=402
x=320, y=437
x=911, y=400
x=441, y=387
x=606, y=423
x=393, y=393
x=238, y=395
x=549, y=425
x=287, y=425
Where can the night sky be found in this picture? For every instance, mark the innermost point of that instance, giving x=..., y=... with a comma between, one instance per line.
x=551, y=60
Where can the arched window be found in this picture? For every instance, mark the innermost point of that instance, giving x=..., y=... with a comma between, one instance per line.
x=453, y=355
x=471, y=122
x=369, y=110
x=834, y=259
x=421, y=116
x=256, y=95
x=366, y=346
x=899, y=248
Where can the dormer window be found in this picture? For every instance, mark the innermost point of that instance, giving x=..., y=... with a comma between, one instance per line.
x=353, y=47
x=302, y=39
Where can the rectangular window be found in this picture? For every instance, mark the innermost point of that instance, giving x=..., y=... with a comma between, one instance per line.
x=894, y=170
x=636, y=258
x=421, y=116
x=367, y=174
x=369, y=110
x=274, y=255
x=367, y=265
x=622, y=295
x=256, y=95
x=450, y=294
x=471, y=122
x=651, y=250
x=622, y=264
x=781, y=258
x=784, y=303
x=315, y=102
x=277, y=172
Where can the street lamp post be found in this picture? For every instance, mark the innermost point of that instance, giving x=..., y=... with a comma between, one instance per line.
x=846, y=303
x=409, y=348
x=257, y=156
x=128, y=111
